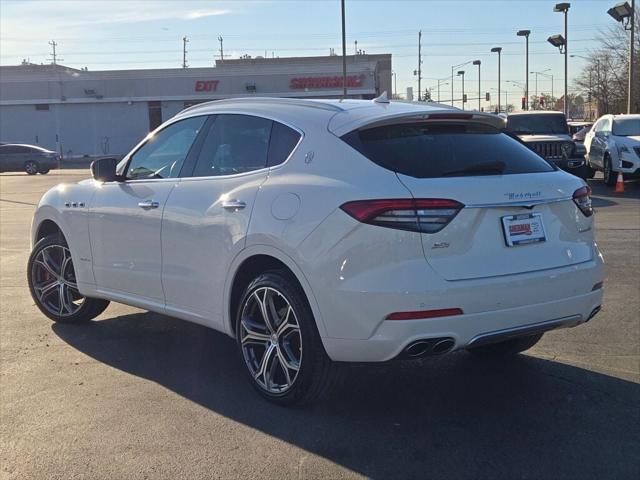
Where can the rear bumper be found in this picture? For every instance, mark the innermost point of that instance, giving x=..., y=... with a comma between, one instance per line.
x=392, y=337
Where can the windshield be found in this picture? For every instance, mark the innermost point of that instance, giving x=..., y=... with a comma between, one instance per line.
x=537, y=124
x=626, y=127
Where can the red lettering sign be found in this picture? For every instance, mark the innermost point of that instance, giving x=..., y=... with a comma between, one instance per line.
x=206, y=85
x=325, y=82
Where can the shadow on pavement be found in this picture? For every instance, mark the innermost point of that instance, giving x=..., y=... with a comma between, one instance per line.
x=448, y=417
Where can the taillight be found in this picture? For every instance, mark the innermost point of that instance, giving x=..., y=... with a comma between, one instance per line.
x=427, y=215
x=582, y=198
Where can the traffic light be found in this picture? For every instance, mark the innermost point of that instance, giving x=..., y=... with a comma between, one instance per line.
x=524, y=103
x=487, y=97
x=464, y=98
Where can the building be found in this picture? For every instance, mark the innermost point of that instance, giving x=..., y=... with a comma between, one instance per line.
x=87, y=113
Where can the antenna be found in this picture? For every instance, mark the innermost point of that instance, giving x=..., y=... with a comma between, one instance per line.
x=185, y=40
x=54, y=57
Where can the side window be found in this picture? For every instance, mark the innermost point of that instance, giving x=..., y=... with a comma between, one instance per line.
x=234, y=144
x=163, y=154
x=283, y=141
x=8, y=150
x=606, y=125
x=598, y=126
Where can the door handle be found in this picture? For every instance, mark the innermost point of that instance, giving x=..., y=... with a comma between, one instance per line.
x=148, y=204
x=234, y=205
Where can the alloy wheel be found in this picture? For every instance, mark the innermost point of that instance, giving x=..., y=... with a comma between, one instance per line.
x=31, y=168
x=270, y=339
x=54, y=281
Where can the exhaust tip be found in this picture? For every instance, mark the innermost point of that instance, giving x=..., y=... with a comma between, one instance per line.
x=417, y=349
x=443, y=346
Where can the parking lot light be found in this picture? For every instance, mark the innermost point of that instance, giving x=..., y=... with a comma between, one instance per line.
x=564, y=48
x=525, y=34
x=498, y=50
x=624, y=13
x=461, y=74
x=477, y=62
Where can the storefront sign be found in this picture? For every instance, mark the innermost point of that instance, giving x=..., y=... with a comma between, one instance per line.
x=325, y=82
x=206, y=85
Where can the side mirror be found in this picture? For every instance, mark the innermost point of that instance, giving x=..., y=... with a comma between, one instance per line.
x=104, y=169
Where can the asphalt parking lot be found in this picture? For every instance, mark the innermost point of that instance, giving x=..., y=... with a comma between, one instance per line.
x=140, y=395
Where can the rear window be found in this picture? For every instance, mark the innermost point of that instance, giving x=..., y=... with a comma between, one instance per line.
x=432, y=150
x=532, y=124
x=626, y=127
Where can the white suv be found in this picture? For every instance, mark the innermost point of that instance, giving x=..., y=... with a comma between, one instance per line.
x=317, y=232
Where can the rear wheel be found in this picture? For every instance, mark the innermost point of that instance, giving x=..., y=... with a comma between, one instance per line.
x=31, y=167
x=279, y=343
x=506, y=348
x=52, y=282
x=609, y=174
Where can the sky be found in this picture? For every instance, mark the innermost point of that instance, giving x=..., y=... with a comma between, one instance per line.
x=134, y=34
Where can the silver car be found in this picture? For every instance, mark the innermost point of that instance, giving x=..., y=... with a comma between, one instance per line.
x=27, y=158
x=613, y=145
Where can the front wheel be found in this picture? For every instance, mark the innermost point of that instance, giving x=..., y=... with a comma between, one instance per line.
x=609, y=175
x=279, y=343
x=52, y=283
x=506, y=348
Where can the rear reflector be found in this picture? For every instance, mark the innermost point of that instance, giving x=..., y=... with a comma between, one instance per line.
x=443, y=312
x=597, y=286
x=582, y=199
x=427, y=215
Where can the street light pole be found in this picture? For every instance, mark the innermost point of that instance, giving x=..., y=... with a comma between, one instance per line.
x=525, y=34
x=477, y=62
x=498, y=50
x=631, y=56
x=461, y=73
x=344, y=55
x=564, y=8
x=626, y=14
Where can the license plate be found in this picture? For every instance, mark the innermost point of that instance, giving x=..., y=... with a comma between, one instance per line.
x=523, y=229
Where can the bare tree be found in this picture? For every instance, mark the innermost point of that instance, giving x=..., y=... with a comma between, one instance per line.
x=604, y=79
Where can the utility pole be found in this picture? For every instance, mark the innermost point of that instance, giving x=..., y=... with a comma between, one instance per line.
x=54, y=56
x=185, y=40
x=344, y=54
x=356, y=48
x=221, y=49
x=419, y=65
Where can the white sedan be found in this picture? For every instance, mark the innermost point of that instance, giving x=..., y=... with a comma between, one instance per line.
x=317, y=232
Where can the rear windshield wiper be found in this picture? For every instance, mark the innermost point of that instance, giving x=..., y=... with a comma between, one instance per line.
x=486, y=168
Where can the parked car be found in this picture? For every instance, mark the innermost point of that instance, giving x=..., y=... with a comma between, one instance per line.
x=17, y=157
x=613, y=145
x=575, y=127
x=316, y=232
x=547, y=133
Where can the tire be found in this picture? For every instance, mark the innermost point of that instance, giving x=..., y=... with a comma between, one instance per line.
x=585, y=172
x=44, y=171
x=506, y=348
x=52, y=284
x=609, y=175
x=283, y=301
x=31, y=167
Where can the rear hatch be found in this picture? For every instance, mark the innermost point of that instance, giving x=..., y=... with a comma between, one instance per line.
x=516, y=212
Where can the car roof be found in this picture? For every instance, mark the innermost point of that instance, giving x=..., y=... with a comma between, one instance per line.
x=338, y=116
x=627, y=115
x=36, y=147
x=536, y=112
